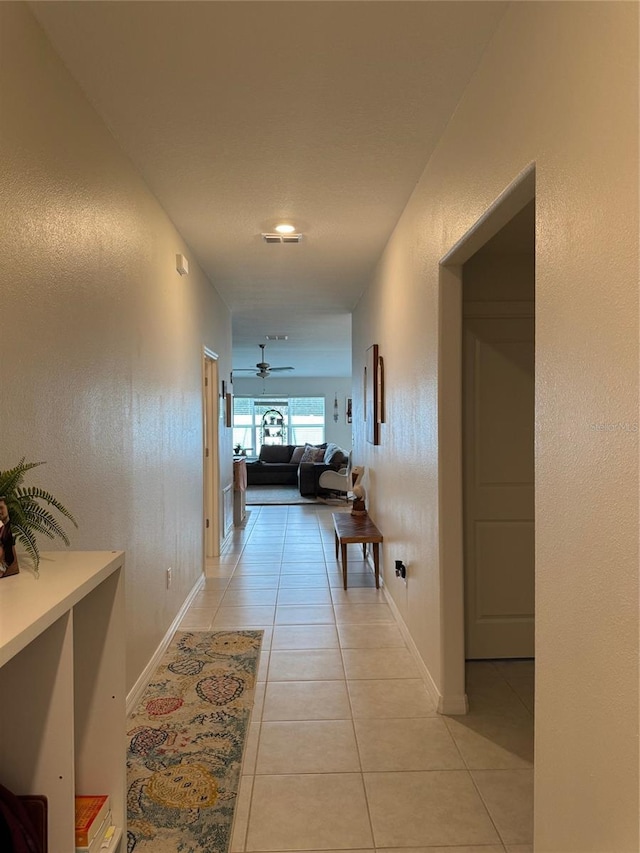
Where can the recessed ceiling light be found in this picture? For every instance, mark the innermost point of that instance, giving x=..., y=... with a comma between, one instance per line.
x=285, y=229
x=277, y=337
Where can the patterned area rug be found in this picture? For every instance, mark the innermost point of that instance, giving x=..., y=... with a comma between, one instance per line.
x=185, y=743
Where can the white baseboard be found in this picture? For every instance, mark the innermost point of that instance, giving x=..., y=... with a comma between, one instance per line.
x=135, y=694
x=454, y=705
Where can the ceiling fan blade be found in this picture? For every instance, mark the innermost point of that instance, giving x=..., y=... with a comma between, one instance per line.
x=272, y=369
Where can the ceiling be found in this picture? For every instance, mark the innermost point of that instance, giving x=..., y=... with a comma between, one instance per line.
x=241, y=115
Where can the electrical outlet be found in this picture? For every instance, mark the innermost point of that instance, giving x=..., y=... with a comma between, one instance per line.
x=401, y=570
x=168, y=577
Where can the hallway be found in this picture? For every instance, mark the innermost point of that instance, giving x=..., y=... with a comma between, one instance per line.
x=345, y=749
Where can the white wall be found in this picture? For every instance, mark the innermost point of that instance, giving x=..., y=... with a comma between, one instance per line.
x=294, y=386
x=558, y=86
x=102, y=339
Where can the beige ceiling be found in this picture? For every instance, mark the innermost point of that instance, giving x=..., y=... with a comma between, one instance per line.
x=243, y=114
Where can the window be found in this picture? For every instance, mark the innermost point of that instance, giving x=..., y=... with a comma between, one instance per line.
x=302, y=422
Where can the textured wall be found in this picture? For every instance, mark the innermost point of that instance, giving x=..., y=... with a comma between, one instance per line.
x=558, y=86
x=102, y=339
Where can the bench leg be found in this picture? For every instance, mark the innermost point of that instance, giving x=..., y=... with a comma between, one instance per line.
x=344, y=564
x=376, y=563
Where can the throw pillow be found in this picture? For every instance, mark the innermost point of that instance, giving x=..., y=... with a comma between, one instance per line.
x=312, y=454
x=296, y=456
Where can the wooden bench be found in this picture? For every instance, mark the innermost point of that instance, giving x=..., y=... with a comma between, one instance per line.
x=358, y=530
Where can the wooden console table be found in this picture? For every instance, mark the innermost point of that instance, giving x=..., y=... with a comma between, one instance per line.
x=358, y=530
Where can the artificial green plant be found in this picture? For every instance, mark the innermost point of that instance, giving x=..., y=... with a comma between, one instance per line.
x=30, y=510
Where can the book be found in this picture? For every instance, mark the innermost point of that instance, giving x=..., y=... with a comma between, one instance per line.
x=101, y=839
x=91, y=812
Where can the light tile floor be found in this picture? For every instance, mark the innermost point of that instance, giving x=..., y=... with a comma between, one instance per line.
x=345, y=749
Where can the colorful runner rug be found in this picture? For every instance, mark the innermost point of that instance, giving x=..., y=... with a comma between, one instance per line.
x=185, y=743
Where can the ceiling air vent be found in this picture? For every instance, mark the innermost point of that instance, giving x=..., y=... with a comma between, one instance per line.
x=282, y=238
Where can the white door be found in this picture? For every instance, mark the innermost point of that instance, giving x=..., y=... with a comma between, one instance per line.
x=498, y=449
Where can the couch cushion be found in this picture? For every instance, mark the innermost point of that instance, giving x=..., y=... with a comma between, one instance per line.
x=276, y=452
x=296, y=456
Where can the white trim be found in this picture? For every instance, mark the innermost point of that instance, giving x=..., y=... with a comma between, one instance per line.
x=135, y=694
x=444, y=704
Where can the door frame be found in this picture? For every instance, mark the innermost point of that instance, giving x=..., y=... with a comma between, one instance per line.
x=210, y=457
x=522, y=190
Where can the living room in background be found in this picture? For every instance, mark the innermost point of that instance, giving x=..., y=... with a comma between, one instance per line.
x=303, y=421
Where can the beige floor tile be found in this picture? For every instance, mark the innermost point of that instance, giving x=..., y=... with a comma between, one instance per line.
x=508, y=795
x=480, y=673
x=516, y=668
x=363, y=613
x=243, y=597
x=323, y=811
x=296, y=567
x=304, y=595
x=308, y=665
x=379, y=663
x=525, y=691
x=264, y=567
x=241, y=815
x=258, y=700
x=473, y=848
x=516, y=848
x=241, y=617
x=370, y=636
x=254, y=582
x=267, y=636
x=436, y=807
x=301, y=554
x=307, y=746
x=263, y=665
x=215, y=585
x=357, y=595
x=256, y=552
x=377, y=699
x=306, y=700
x=317, y=614
x=208, y=598
x=493, y=743
x=418, y=743
x=305, y=637
x=251, y=749
x=197, y=620
x=288, y=581
x=357, y=579
x=496, y=699
x=219, y=573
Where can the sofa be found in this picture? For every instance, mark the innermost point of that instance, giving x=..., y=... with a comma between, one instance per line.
x=290, y=465
x=277, y=465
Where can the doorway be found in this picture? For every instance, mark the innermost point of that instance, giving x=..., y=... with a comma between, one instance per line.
x=210, y=456
x=498, y=397
x=451, y=365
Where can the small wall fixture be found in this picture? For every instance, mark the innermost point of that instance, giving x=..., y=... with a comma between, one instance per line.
x=182, y=265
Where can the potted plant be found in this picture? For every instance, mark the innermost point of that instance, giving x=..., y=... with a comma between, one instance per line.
x=30, y=510
x=237, y=449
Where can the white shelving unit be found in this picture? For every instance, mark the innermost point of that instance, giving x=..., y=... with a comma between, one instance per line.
x=62, y=685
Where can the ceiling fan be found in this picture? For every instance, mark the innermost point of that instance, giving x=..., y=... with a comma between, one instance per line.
x=264, y=368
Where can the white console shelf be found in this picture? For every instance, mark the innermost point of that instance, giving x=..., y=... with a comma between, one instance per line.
x=62, y=685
